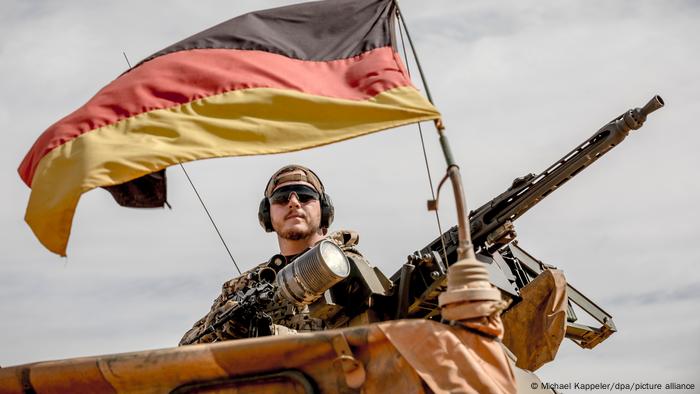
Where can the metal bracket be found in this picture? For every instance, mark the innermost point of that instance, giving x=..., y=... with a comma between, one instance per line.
x=501, y=236
x=354, y=371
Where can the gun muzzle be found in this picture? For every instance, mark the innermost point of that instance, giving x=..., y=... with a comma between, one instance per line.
x=655, y=103
x=311, y=274
x=635, y=118
x=267, y=274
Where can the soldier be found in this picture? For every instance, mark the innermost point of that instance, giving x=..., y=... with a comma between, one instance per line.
x=296, y=207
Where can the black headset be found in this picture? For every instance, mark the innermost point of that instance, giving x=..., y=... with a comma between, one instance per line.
x=327, y=209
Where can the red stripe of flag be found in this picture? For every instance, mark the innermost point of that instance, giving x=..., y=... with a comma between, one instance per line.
x=181, y=77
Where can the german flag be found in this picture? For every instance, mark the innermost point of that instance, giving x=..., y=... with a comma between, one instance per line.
x=271, y=81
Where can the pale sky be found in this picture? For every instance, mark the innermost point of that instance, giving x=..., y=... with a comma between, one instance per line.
x=520, y=83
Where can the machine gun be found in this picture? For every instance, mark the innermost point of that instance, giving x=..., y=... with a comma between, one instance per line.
x=254, y=310
x=246, y=309
x=423, y=277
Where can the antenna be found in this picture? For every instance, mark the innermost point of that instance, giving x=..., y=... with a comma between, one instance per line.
x=127, y=60
x=466, y=249
x=425, y=154
x=211, y=219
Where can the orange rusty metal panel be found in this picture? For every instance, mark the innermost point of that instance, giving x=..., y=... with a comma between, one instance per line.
x=160, y=370
x=387, y=370
x=11, y=380
x=69, y=376
x=246, y=356
x=291, y=363
x=453, y=359
x=311, y=354
x=283, y=382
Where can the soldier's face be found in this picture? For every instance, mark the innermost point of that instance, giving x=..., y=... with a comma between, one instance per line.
x=293, y=219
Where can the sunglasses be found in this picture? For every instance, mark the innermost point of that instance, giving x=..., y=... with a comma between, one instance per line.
x=304, y=194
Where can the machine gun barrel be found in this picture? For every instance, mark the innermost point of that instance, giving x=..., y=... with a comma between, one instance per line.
x=529, y=190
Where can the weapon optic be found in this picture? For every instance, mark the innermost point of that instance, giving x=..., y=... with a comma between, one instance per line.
x=423, y=277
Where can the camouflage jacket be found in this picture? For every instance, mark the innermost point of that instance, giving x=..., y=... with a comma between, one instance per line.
x=283, y=313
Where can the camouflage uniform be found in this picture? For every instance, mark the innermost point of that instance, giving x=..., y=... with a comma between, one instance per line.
x=283, y=313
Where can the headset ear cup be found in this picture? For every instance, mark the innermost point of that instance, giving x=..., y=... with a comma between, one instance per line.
x=264, y=215
x=327, y=211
